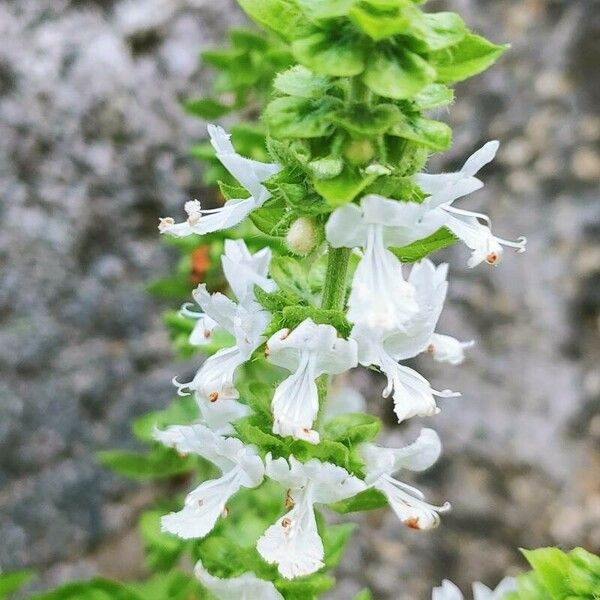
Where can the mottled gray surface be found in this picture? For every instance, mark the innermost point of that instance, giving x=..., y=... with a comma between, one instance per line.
x=93, y=148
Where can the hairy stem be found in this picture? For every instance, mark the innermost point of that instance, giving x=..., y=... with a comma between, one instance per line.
x=334, y=291
x=334, y=297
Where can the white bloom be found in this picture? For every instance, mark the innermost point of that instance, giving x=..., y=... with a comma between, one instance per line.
x=244, y=270
x=449, y=591
x=406, y=501
x=244, y=587
x=246, y=322
x=250, y=174
x=380, y=297
x=445, y=348
x=293, y=542
x=445, y=188
x=412, y=393
x=307, y=351
x=240, y=467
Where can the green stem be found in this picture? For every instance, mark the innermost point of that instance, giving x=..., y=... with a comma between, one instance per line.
x=334, y=291
x=334, y=297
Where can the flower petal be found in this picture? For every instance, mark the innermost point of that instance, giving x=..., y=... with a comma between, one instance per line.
x=346, y=227
x=295, y=405
x=293, y=543
x=203, y=507
x=220, y=414
x=214, y=379
x=232, y=213
x=447, y=349
x=447, y=591
x=245, y=587
x=244, y=270
x=250, y=173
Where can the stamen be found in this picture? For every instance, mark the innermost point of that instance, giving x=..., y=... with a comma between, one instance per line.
x=286, y=522
x=181, y=387
x=213, y=396
x=165, y=223
x=185, y=311
x=467, y=213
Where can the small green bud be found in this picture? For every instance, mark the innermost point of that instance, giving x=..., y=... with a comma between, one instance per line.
x=359, y=152
x=303, y=236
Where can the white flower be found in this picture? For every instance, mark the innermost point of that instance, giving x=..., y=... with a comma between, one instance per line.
x=244, y=270
x=445, y=188
x=240, y=467
x=412, y=393
x=308, y=351
x=250, y=174
x=246, y=322
x=293, y=542
x=406, y=501
x=380, y=297
x=244, y=587
x=445, y=348
x=448, y=591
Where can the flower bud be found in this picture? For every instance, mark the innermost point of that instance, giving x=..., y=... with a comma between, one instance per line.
x=359, y=152
x=303, y=236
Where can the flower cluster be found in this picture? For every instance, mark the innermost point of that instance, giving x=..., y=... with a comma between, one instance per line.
x=391, y=318
x=320, y=234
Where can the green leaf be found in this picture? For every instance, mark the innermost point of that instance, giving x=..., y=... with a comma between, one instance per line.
x=433, y=134
x=434, y=95
x=552, y=568
x=206, y=108
x=183, y=410
x=281, y=16
x=465, y=59
x=364, y=595
x=272, y=218
x=439, y=30
x=422, y=248
x=584, y=571
x=335, y=538
x=159, y=463
x=305, y=588
x=11, y=582
x=345, y=187
x=252, y=434
x=300, y=117
x=383, y=18
x=301, y=83
x=169, y=586
x=244, y=39
x=291, y=277
x=397, y=73
x=96, y=589
x=370, y=499
x=353, y=428
x=529, y=587
x=362, y=120
x=162, y=550
x=325, y=9
x=334, y=51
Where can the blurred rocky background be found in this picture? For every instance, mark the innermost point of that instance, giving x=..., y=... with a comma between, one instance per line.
x=93, y=148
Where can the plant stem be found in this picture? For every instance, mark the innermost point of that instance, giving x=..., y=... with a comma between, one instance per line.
x=334, y=297
x=334, y=291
